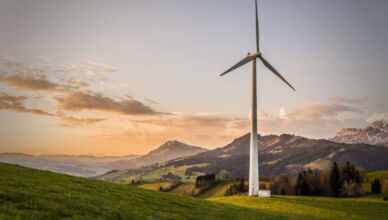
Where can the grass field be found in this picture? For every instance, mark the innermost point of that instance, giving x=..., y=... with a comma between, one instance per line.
x=155, y=186
x=382, y=174
x=154, y=175
x=294, y=207
x=217, y=191
x=32, y=194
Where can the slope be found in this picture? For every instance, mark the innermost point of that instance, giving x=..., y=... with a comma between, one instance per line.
x=34, y=194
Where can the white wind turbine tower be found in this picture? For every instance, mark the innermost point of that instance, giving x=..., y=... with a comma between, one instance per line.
x=254, y=159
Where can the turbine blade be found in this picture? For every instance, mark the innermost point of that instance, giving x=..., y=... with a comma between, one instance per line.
x=257, y=28
x=270, y=67
x=241, y=63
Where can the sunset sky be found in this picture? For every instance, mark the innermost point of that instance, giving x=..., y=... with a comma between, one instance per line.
x=122, y=77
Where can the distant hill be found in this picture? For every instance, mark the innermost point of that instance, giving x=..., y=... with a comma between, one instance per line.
x=77, y=165
x=278, y=154
x=89, y=166
x=168, y=151
x=376, y=134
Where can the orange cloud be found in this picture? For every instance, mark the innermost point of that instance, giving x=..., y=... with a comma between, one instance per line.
x=15, y=103
x=69, y=121
x=80, y=100
x=322, y=110
x=29, y=80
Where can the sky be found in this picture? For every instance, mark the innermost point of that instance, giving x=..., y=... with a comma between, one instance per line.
x=122, y=77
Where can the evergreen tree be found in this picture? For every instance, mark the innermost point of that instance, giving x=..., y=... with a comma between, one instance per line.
x=241, y=185
x=335, y=180
x=376, y=186
x=302, y=187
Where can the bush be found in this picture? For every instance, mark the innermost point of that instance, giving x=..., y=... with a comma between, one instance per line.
x=376, y=186
x=281, y=185
x=351, y=189
x=235, y=189
x=205, y=180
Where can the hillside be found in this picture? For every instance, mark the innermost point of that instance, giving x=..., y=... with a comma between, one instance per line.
x=88, y=166
x=376, y=133
x=77, y=165
x=33, y=194
x=168, y=151
x=278, y=154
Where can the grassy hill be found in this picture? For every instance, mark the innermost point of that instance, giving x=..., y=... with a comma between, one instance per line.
x=33, y=194
x=382, y=174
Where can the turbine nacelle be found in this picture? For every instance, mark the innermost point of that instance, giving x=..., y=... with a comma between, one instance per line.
x=253, y=55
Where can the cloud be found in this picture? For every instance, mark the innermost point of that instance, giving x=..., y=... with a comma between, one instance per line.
x=15, y=103
x=321, y=110
x=150, y=101
x=282, y=113
x=11, y=61
x=78, y=82
x=29, y=80
x=340, y=99
x=378, y=116
x=103, y=66
x=69, y=121
x=82, y=100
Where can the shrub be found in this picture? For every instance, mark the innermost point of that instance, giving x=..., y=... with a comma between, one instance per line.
x=351, y=189
x=281, y=185
x=205, y=180
x=376, y=186
x=235, y=189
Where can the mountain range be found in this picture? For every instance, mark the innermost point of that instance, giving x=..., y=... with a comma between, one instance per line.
x=376, y=134
x=278, y=154
x=88, y=166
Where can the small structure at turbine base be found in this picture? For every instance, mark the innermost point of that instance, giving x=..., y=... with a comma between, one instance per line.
x=265, y=193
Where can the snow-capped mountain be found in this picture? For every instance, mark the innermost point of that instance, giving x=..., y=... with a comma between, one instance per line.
x=376, y=134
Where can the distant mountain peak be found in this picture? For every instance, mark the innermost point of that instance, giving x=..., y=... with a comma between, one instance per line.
x=376, y=134
x=171, y=149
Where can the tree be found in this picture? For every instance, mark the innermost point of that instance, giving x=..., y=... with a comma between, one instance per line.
x=241, y=185
x=302, y=187
x=351, y=189
x=376, y=186
x=335, y=180
x=205, y=180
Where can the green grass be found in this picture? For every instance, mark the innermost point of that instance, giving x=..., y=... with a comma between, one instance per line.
x=217, y=191
x=155, y=186
x=153, y=175
x=184, y=189
x=294, y=207
x=382, y=174
x=33, y=194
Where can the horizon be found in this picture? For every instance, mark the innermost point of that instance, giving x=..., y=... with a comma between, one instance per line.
x=78, y=78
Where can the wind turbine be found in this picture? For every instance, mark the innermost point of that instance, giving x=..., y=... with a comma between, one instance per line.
x=253, y=158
